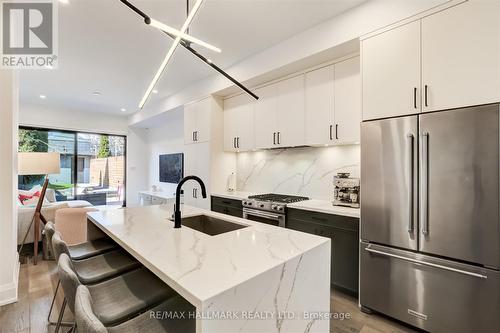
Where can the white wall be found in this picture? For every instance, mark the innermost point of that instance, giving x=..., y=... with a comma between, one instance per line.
x=137, y=164
x=304, y=171
x=166, y=138
x=9, y=263
x=77, y=120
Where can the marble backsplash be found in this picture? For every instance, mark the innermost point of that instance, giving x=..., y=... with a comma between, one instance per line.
x=305, y=171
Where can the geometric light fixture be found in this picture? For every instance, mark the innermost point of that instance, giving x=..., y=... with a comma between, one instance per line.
x=181, y=38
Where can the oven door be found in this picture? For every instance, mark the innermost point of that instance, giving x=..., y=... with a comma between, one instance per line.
x=277, y=220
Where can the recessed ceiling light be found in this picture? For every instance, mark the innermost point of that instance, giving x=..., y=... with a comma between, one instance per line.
x=96, y=93
x=43, y=96
x=155, y=91
x=64, y=1
x=123, y=110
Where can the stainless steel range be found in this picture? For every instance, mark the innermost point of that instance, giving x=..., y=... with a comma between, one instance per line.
x=269, y=208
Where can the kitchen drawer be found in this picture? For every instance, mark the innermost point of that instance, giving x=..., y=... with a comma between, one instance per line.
x=158, y=201
x=429, y=297
x=233, y=211
x=227, y=202
x=337, y=221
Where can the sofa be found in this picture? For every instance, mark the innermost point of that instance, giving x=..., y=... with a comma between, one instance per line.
x=49, y=208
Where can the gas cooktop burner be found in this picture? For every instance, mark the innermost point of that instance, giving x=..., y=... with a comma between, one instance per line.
x=281, y=198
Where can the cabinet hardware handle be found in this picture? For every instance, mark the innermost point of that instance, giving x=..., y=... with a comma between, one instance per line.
x=193, y=193
x=274, y=138
x=234, y=142
x=238, y=142
x=426, y=93
x=425, y=184
x=279, y=138
x=196, y=135
x=336, y=131
x=331, y=132
x=410, y=180
x=193, y=137
x=226, y=202
x=415, y=98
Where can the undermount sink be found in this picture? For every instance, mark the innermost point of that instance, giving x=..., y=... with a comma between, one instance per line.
x=210, y=225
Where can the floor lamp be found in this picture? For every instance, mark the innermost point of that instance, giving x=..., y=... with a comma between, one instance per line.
x=38, y=164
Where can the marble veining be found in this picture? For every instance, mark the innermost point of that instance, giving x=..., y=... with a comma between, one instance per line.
x=300, y=171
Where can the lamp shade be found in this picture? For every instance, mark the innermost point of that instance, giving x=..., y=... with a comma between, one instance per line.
x=38, y=163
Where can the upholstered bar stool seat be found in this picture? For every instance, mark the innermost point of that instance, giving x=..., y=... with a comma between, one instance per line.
x=105, y=266
x=130, y=293
x=91, y=248
x=117, y=299
x=88, y=322
x=83, y=250
x=98, y=268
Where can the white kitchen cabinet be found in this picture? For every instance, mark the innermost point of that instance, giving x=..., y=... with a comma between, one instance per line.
x=290, y=112
x=333, y=104
x=390, y=64
x=197, y=121
x=266, y=117
x=347, y=110
x=239, y=123
x=319, y=99
x=461, y=56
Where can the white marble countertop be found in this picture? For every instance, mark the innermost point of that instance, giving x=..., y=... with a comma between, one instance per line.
x=159, y=194
x=237, y=195
x=196, y=265
x=324, y=206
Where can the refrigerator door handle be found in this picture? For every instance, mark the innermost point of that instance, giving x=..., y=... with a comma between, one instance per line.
x=421, y=262
x=424, y=220
x=409, y=138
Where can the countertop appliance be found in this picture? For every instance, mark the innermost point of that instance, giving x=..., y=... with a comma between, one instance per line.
x=430, y=230
x=269, y=208
x=346, y=190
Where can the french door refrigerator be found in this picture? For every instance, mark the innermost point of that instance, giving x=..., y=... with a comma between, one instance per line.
x=430, y=230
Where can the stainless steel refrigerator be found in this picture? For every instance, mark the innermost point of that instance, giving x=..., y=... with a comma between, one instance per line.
x=430, y=230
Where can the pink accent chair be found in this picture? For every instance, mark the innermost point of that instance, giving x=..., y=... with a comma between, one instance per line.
x=72, y=224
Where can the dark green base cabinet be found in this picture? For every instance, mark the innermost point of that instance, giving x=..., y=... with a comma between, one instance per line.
x=344, y=233
x=227, y=206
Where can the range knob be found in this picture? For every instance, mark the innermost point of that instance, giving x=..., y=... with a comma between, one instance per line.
x=261, y=205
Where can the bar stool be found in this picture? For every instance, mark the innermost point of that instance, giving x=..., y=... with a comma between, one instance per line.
x=88, y=322
x=117, y=299
x=83, y=250
x=80, y=251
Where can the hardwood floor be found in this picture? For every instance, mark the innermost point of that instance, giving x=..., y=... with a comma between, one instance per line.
x=37, y=285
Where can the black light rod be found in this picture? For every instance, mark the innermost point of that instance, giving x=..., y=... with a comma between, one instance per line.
x=146, y=18
x=220, y=70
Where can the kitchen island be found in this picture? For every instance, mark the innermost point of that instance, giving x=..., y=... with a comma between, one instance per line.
x=258, y=278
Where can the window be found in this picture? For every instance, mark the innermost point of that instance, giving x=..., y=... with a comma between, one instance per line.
x=92, y=165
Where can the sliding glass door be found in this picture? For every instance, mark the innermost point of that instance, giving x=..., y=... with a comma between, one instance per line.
x=92, y=165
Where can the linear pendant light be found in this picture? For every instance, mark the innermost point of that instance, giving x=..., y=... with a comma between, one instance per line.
x=183, y=36
x=178, y=39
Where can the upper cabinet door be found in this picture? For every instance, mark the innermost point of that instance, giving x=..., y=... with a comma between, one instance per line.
x=391, y=72
x=231, y=108
x=265, y=117
x=347, y=102
x=290, y=115
x=461, y=56
x=319, y=100
x=245, y=136
x=203, y=115
x=190, y=114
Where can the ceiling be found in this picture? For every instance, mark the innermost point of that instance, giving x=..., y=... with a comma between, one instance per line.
x=105, y=47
